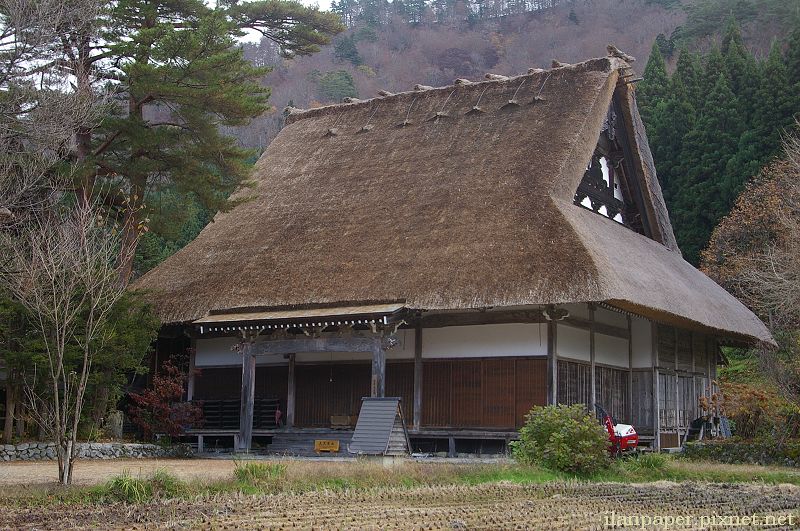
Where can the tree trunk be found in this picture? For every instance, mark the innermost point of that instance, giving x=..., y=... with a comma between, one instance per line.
x=101, y=396
x=11, y=404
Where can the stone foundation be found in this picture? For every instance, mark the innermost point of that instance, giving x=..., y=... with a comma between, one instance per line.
x=34, y=451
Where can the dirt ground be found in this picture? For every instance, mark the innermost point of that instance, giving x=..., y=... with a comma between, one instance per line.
x=94, y=471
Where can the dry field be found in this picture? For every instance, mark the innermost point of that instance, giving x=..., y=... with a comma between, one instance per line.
x=488, y=506
x=442, y=497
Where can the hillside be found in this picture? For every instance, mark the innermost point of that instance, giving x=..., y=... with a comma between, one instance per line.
x=393, y=50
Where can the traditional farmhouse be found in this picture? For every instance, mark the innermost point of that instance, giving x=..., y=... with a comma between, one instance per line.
x=473, y=249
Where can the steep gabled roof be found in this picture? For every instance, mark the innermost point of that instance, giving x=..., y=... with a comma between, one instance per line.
x=448, y=198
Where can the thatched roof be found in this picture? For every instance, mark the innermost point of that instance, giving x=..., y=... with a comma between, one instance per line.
x=446, y=198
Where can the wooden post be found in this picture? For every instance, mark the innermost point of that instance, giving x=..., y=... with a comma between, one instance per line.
x=630, y=371
x=378, y=384
x=593, y=383
x=248, y=394
x=677, y=388
x=552, y=365
x=290, y=400
x=656, y=391
x=190, y=382
x=417, y=419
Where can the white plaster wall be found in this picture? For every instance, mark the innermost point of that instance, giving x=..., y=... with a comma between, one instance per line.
x=601, y=315
x=610, y=350
x=642, y=337
x=580, y=310
x=514, y=339
x=572, y=342
x=217, y=352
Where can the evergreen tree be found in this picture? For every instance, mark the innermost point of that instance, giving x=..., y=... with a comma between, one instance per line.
x=653, y=87
x=688, y=72
x=177, y=76
x=706, y=195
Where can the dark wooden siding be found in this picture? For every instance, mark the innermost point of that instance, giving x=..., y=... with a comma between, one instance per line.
x=642, y=417
x=331, y=389
x=574, y=383
x=611, y=387
x=482, y=393
x=224, y=383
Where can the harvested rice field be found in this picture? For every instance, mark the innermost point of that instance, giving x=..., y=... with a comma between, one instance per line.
x=502, y=505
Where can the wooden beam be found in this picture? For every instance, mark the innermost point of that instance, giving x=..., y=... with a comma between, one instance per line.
x=656, y=392
x=630, y=370
x=417, y=419
x=593, y=383
x=600, y=328
x=552, y=365
x=378, y=381
x=318, y=344
x=190, y=381
x=290, y=400
x=481, y=318
x=248, y=394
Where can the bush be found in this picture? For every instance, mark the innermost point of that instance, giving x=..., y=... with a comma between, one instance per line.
x=645, y=461
x=254, y=473
x=761, y=451
x=563, y=438
x=126, y=488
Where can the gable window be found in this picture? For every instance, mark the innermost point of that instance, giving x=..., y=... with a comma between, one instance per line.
x=609, y=186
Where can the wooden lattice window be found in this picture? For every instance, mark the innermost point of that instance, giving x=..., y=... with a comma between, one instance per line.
x=609, y=186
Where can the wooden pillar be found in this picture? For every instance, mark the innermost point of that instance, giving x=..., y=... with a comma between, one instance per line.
x=677, y=388
x=630, y=370
x=378, y=383
x=290, y=400
x=552, y=364
x=190, y=382
x=656, y=390
x=417, y=419
x=248, y=394
x=593, y=382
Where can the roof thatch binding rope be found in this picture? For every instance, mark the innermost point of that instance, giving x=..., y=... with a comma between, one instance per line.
x=559, y=64
x=535, y=70
x=486, y=206
x=613, y=51
x=348, y=99
x=462, y=81
x=422, y=87
x=385, y=93
x=495, y=77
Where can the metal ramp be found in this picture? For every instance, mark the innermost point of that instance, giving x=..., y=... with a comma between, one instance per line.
x=381, y=429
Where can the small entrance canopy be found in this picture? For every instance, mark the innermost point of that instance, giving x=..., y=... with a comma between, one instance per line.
x=316, y=317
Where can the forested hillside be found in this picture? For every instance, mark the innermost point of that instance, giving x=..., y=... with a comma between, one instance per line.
x=393, y=45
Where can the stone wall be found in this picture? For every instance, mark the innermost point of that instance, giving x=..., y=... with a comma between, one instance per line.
x=36, y=450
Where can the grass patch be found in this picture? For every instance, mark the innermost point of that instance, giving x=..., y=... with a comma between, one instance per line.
x=267, y=477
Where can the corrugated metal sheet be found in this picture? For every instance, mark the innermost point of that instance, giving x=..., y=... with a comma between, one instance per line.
x=308, y=313
x=375, y=425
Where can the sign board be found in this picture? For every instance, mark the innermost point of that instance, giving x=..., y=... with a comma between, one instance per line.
x=326, y=445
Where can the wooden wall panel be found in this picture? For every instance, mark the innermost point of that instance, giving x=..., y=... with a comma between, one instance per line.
x=531, y=386
x=436, y=387
x=326, y=390
x=642, y=406
x=574, y=383
x=684, y=351
x=466, y=407
x=611, y=390
x=219, y=383
x=400, y=382
x=498, y=393
x=666, y=346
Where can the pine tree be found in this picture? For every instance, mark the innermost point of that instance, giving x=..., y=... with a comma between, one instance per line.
x=688, y=72
x=177, y=76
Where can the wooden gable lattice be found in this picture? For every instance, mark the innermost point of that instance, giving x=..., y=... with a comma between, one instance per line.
x=611, y=185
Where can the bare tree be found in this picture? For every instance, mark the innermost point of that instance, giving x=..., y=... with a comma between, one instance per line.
x=63, y=270
x=40, y=109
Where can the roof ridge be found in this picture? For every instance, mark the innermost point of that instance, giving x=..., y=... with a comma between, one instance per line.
x=603, y=63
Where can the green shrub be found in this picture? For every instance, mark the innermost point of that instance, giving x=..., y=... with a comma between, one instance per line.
x=252, y=473
x=126, y=488
x=563, y=438
x=761, y=451
x=645, y=461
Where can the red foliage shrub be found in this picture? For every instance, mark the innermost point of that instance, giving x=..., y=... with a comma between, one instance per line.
x=159, y=409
